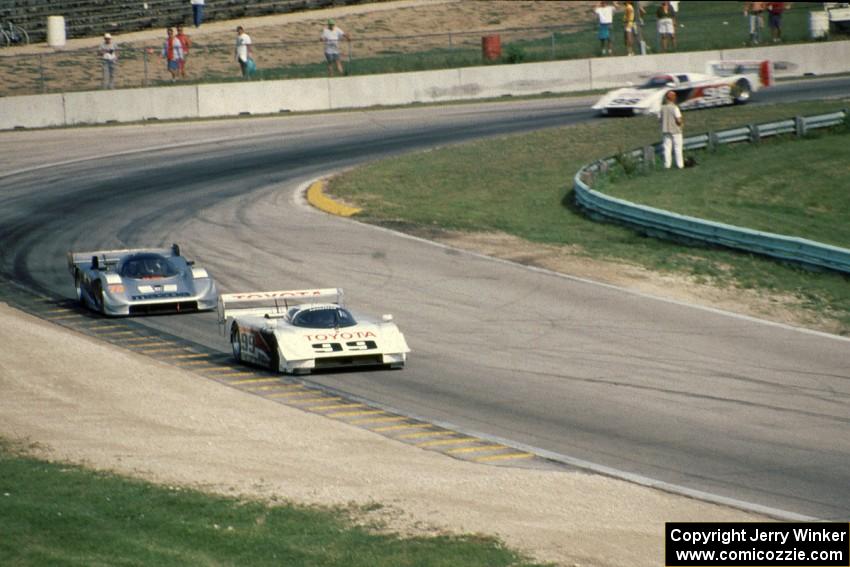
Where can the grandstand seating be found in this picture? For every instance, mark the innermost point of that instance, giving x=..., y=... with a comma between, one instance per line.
x=86, y=18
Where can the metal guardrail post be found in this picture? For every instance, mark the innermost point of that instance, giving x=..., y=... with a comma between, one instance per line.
x=755, y=135
x=649, y=157
x=800, y=126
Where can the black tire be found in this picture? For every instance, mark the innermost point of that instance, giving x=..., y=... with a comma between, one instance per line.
x=78, y=285
x=235, y=343
x=742, y=91
x=97, y=297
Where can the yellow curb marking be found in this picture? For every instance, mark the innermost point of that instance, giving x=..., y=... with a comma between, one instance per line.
x=377, y=420
x=308, y=401
x=422, y=434
x=317, y=198
x=191, y=362
x=255, y=381
x=119, y=333
x=303, y=392
x=62, y=317
x=355, y=413
x=99, y=328
x=403, y=426
x=185, y=356
x=339, y=406
x=476, y=449
x=457, y=441
x=503, y=457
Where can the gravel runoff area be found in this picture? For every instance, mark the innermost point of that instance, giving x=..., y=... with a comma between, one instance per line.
x=133, y=415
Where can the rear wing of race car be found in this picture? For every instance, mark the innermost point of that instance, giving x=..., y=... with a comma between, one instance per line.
x=272, y=303
x=760, y=73
x=100, y=259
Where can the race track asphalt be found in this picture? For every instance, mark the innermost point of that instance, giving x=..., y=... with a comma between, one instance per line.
x=689, y=396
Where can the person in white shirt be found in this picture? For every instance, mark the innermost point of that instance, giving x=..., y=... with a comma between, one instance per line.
x=331, y=36
x=605, y=13
x=197, y=12
x=172, y=52
x=671, y=131
x=244, y=50
x=108, y=52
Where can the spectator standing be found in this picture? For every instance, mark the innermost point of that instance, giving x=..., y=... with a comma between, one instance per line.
x=172, y=51
x=671, y=131
x=185, y=43
x=197, y=12
x=605, y=15
x=775, y=11
x=674, y=8
x=108, y=52
x=754, y=12
x=331, y=36
x=666, y=30
x=244, y=49
x=630, y=27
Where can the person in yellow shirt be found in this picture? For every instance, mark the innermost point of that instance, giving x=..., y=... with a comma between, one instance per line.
x=629, y=26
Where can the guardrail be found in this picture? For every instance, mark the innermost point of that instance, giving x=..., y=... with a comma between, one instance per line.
x=665, y=224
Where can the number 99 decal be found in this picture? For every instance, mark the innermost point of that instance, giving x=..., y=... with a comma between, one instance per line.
x=350, y=345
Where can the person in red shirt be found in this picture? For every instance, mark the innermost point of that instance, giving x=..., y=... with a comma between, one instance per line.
x=775, y=10
x=185, y=42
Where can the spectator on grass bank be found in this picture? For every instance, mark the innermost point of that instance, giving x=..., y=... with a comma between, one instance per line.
x=197, y=12
x=674, y=8
x=244, y=50
x=605, y=15
x=172, y=52
x=665, y=27
x=185, y=43
x=775, y=11
x=754, y=12
x=108, y=52
x=330, y=37
x=630, y=27
x=671, y=131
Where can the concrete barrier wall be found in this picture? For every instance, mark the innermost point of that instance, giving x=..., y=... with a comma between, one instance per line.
x=130, y=105
x=270, y=97
x=32, y=111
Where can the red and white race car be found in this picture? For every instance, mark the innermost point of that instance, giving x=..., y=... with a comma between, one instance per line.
x=727, y=82
x=298, y=331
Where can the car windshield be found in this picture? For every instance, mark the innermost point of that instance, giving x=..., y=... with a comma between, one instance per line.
x=146, y=266
x=323, y=318
x=658, y=81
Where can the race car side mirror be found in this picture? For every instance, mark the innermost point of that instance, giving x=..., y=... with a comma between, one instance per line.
x=95, y=264
x=190, y=262
x=387, y=317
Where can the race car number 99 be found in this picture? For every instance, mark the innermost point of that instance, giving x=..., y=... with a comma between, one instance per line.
x=351, y=345
x=625, y=101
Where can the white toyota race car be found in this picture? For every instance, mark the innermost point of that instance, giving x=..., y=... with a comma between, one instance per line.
x=726, y=82
x=298, y=331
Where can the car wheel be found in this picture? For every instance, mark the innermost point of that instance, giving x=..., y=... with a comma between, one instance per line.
x=97, y=297
x=397, y=366
x=235, y=343
x=78, y=285
x=741, y=91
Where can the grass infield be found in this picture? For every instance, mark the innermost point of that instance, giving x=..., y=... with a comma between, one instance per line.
x=58, y=514
x=522, y=185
